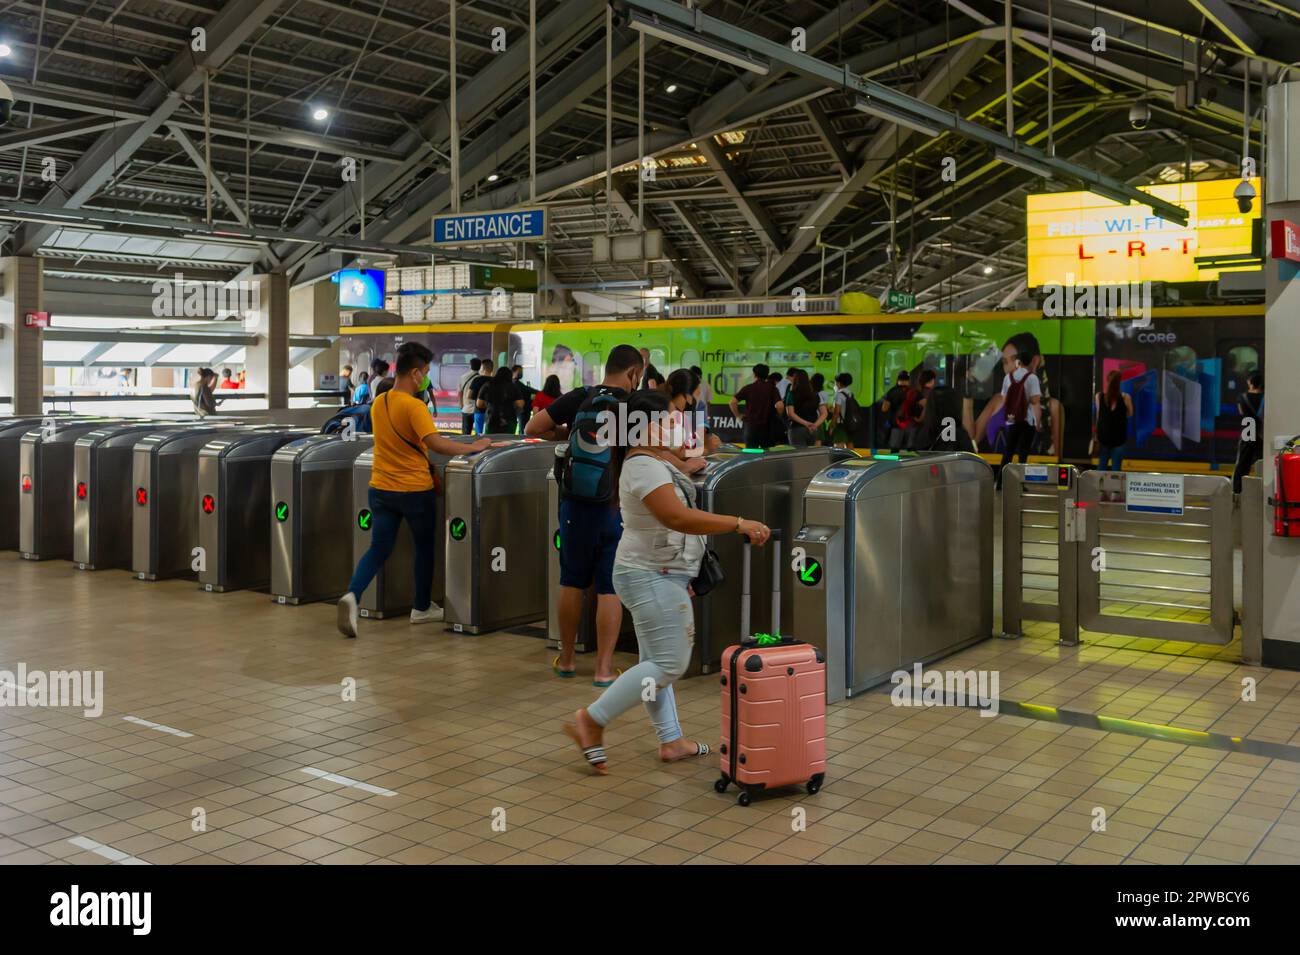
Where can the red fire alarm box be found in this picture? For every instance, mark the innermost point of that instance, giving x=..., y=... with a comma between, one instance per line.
x=37, y=319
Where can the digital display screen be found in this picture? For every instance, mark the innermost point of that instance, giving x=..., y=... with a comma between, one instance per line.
x=361, y=288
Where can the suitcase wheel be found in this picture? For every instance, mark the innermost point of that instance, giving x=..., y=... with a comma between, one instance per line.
x=720, y=785
x=815, y=784
x=744, y=799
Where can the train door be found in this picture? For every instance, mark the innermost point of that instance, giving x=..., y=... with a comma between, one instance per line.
x=1238, y=360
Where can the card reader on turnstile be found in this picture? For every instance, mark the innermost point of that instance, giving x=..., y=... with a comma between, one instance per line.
x=894, y=564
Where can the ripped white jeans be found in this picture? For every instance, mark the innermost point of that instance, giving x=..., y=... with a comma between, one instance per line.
x=661, y=611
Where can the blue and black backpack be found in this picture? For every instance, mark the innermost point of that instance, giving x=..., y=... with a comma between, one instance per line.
x=586, y=472
x=358, y=413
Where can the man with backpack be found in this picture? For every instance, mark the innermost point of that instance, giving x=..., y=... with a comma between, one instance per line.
x=848, y=420
x=760, y=399
x=1022, y=398
x=590, y=522
x=466, y=402
x=476, y=385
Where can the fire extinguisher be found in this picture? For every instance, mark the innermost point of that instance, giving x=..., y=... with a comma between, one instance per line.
x=1286, y=490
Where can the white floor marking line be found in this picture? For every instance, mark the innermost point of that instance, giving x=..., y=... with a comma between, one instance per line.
x=158, y=726
x=107, y=852
x=344, y=781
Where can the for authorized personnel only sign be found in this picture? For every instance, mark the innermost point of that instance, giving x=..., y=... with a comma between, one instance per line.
x=1154, y=493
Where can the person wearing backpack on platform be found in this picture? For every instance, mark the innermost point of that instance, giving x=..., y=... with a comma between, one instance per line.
x=847, y=418
x=1022, y=398
x=590, y=522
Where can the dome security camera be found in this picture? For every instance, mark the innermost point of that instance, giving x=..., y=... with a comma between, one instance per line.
x=1139, y=115
x=6, y=104
x=1244, y=194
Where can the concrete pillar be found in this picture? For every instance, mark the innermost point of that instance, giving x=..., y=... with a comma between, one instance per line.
x=267, y=362
x=1281, y=559
x=314, y=310
x=21, y=370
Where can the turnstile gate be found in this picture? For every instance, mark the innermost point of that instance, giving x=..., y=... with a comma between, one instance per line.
x=496, y=536
x=164, y=494
x=45, y=488
x=103, y=505
x=894, y=564
x=234, y=501
x=390, y=593
x=11, y=438
x=311, y=516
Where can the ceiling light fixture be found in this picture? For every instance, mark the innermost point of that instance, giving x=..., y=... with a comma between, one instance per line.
x=652, y=26
x=320, y=114
x=5, y=49
x=988, y=270
x=1020, y=162
x=493, y=178
x=671, y=88
x=864, y=105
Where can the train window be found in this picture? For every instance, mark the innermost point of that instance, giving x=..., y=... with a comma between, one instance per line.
x=936, y=361
x=1239, y=363
x=591, y=368
x=658, y=358
x=851, y=361
x=889, y=362
x=689, y=357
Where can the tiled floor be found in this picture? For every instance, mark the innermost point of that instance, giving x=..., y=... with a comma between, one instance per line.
x=454, y=734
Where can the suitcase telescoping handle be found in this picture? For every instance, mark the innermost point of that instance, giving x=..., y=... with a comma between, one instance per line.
x=746, y=596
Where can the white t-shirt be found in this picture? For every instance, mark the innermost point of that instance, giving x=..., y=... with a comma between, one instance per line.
x=466, y=403
x=1032, y=390
x=646, y=544
x=838, y=398
x=782, y=387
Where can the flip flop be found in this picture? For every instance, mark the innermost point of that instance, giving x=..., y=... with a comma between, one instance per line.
x=555, y=665
x=618, y=672
x=595, y=755
x=701, y=749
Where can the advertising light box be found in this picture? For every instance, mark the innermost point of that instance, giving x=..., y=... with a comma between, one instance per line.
x=1082, y=238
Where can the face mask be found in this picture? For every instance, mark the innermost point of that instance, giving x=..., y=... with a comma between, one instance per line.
x=424, y=384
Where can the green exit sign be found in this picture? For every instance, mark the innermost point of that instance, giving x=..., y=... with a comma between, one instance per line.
x=488, y=277
x=900, y=299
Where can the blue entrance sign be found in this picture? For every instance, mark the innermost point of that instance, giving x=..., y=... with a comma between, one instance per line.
x=472, y=228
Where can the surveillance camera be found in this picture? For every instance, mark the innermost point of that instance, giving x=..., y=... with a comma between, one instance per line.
x=1139, y=115
x=6, y=103
x=1244, y=194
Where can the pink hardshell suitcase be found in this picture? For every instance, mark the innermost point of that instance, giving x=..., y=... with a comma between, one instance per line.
x=773, y=705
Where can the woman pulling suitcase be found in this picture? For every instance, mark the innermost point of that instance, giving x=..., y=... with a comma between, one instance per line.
x=658, y=556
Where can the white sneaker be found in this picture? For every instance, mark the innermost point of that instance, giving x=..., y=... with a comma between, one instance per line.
x=347, y=615
x=432, y=615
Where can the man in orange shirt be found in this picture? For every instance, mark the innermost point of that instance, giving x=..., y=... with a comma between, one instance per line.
x=401, y=485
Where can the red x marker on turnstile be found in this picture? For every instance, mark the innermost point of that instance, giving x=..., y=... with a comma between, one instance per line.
x=209, y=503
x=141, y=496
x=82, y=490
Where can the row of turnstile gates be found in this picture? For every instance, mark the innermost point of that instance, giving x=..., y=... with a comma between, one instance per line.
x=886, y=561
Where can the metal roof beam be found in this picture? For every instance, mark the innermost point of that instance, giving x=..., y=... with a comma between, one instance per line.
x=52, y=132
x=731, y=180
x=690, y=278
x=711, y=248
x=1230, y=23
x=218, y=186
x=821, y=124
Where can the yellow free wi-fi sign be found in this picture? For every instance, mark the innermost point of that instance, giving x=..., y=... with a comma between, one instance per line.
x=1098, y=241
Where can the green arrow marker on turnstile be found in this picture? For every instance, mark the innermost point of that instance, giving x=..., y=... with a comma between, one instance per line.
x=811, y=574
x=457, y=529
x=363, y=519
x=281, y=511
x=557, y=540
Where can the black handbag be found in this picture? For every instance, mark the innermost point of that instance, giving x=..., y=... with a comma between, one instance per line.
x=711, y=573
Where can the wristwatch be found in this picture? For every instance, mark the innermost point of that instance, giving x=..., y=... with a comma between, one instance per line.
x=739, y=521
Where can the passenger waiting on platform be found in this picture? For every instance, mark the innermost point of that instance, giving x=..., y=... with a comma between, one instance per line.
x=346, y=384
x=543, y=399
x=848, y=423
x=818, y=382
x=202, y=398
x=402, y=485
x=378, y=374
x=658, y=556
x=1110, y=428
x=1251, y=406
x=803, y=410
x=905, y=417
x=477, y=385
x=590, y=525
x=703, y=391
x=940, y=427
x=361, y=394
x=1022, y=398
x=679, y=389
x=652, y=378
x=227, y=382
x=501, y=403
x=759, y=398
x=526, y=392
x=887, y=410
x=466, y=402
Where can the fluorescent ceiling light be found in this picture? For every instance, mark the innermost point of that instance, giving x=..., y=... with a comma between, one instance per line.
x=671, y=88
x=651, y=26
x=4, y=49
x=493, y=178
x=320, y=114
x=864, y=105
x=1028, y=165
x=988, y=270
x=940, y=218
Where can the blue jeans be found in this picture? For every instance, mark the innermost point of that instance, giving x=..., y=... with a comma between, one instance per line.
x=665, y=632
x=387, y=508
x=1110, y=459
x=480, y=419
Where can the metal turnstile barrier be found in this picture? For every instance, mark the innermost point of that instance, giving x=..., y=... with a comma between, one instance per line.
x=1187, y=595
x=1253, y=530
x=11, y=438
x=103, y=505
x=496, y=536
x=164, y=493
x=45, y=488
x=311, y=517
x=390, y=593
x=1039, y=552
x=894, y=564
x=233, y=502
